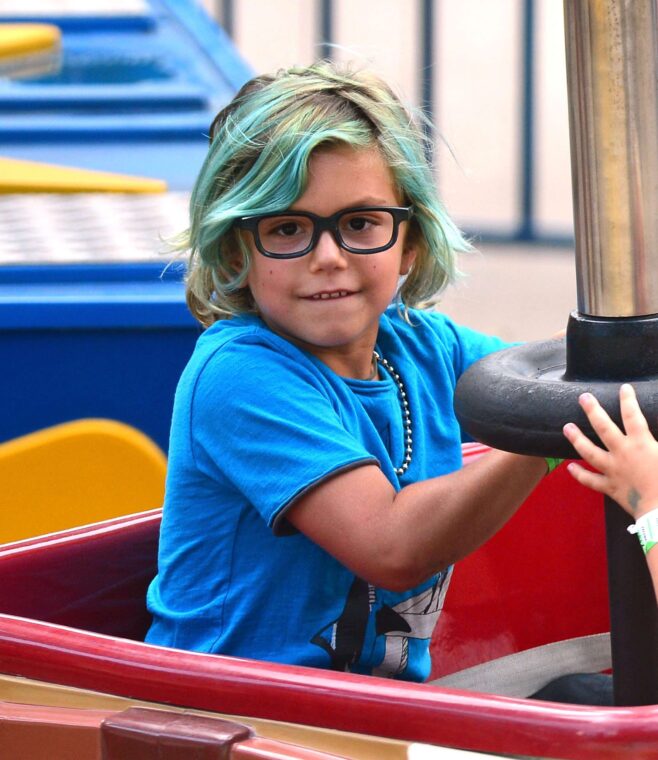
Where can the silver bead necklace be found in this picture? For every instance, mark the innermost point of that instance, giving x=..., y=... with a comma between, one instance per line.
x=406, y=414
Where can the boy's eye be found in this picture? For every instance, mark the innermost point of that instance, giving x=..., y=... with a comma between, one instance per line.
x=287, y=228
x=357, y=223
x=283, y=227
x=362, y=222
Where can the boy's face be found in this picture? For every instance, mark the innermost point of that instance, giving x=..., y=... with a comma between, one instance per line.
x=341, y=329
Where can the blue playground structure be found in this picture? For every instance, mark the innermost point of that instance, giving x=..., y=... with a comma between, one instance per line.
x=79, y=341
x=103, y=333
x=135, y=92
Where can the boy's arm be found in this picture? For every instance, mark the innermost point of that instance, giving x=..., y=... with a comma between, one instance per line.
x=628, y=470
x=398, y=540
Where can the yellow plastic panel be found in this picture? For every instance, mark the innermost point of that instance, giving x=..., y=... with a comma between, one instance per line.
x=28, y=39
x=18, y=176
x=77, y=473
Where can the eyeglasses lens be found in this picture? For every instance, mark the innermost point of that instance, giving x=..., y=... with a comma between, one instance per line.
x=285, y=234
x=361, y=230
x=365, y=230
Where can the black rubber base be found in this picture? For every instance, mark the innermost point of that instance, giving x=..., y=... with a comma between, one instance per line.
x=519, y=399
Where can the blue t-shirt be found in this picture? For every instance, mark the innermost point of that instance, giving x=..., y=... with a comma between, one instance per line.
x=257, y=422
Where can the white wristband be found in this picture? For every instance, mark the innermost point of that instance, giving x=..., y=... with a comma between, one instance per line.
x=646, y=528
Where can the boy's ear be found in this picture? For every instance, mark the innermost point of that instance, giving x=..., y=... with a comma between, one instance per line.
x=236, y=261
x=408, y=258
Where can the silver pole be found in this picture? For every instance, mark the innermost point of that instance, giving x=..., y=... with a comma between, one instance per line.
x=612, y=65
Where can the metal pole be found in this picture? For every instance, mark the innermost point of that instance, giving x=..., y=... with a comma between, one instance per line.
x=633, y=613
x=526, y=228
x=326, y=12
x=612, y=69
x=226, y=15
x=427, y=57
x=612, y=63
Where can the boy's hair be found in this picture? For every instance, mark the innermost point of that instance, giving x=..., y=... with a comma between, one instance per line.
x=257, y=163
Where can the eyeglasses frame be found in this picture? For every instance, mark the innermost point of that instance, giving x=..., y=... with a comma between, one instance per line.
x=322, y=224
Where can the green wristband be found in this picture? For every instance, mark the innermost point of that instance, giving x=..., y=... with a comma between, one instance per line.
x=552, y=463
x=646, y=529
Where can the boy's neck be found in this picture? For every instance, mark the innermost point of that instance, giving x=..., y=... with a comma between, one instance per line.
x=353, y=360
x=360, y=365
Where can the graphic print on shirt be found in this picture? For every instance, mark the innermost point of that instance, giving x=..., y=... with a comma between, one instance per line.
x=418, y=615
x=343, y=639
x=413, y=618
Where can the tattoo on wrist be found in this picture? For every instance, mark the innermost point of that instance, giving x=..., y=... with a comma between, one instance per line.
x=634, y=499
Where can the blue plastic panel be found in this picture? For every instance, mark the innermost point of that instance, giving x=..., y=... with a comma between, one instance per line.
x=91, y=341
x=134, y=296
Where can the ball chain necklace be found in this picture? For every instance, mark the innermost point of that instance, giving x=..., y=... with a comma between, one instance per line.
x=406, y=414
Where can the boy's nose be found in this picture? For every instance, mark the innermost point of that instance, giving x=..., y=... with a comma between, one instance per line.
x=327, y=254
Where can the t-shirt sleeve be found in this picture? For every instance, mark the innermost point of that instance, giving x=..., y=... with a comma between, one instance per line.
x=266, y=422
x=461, y=346
x=472, y=346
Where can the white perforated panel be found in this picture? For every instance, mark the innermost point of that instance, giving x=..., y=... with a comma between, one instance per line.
x=92, y=227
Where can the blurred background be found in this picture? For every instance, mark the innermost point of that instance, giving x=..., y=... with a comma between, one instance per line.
x=489, y=73
x=105, y=107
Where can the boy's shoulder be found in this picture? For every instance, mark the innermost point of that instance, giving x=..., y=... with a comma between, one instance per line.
x=427, y=333
x=239, y=333
x=239, y=361
x=246, y=328
x=418, y=323
x=244, y=345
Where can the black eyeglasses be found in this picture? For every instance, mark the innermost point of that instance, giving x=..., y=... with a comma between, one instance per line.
x=288, y=235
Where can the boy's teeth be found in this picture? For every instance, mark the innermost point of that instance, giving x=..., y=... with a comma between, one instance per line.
x=335, y=294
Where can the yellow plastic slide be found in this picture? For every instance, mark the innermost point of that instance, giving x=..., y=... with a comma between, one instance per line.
x=28, y=50
x=17, y=176
x=28, y=39
x=77, y=473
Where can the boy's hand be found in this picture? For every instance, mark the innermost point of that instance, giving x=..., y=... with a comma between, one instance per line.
x=628, y=470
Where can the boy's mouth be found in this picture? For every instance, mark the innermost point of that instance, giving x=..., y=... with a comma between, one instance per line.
x=325, y=295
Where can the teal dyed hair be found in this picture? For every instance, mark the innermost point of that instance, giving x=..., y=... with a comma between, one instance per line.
x=257, y=163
